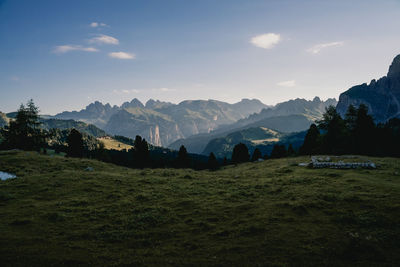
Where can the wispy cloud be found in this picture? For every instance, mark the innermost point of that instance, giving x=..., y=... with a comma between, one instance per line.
x=126, y=91
x=266, y=41
x=122, y=55
x=165, y=89
x=61, y=49
x=14, y=78
x=97, y=24
x=318, y=47
x=291, y=83
x=104, y=39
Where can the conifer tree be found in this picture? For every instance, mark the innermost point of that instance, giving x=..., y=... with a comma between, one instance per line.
x=183, y=160
x=333, y=141
x=278, y=151
x=290, y=151
x=75, y=144
x=256, y=155
x=212, y=162
x=240, y=153
x=311, y=141
x=24, y=132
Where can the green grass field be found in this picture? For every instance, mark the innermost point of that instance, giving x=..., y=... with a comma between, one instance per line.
x=270, y=213
x=110, y=143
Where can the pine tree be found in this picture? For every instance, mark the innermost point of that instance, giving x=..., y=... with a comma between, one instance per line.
x=212, y=162
x=183, y=160
x=278, y=151
x=256, y=155
x=350, y=120
x=240, y=153
x=364, y=131
x=141, y=153
x=333, y=141
x=24, y=132
x=75, y=144
x=311, y=141
x=290, y=151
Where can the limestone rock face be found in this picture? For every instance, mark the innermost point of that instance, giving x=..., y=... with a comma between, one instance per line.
x=382, y=97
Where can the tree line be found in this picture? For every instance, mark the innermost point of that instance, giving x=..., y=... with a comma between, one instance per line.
x=356, y=133
x=25, y=133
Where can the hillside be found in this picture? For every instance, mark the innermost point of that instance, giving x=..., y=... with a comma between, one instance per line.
x=256, y=137
x=3, y=119
x=268, y=213
x=382, y=97
x=111, y=143
x=291, y=116
x=69, y=124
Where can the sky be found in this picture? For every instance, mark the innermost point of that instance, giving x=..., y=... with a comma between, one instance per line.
x=67, y=54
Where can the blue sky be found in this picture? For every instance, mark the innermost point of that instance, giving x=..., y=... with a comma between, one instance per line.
x=66, y=54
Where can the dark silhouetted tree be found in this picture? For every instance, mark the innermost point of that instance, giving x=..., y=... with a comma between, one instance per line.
x=278, y=151
x=212, y=162
x=333, y=141
x=364, y=131
x=75, y=144
x=311, y=141
x=183, y=159
x=141, y=152
x=240, y=153
x=290, y=151
x=350, y=122
x=24, y=132
x=256, y=155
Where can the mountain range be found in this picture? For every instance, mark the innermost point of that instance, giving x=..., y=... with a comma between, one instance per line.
x=161, y=123
x=382, y=97
x=291, y=116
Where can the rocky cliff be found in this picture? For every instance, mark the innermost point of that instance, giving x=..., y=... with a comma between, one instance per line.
x=382, y=96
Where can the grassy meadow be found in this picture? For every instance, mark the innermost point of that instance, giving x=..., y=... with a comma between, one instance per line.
x=271, y=213
x=110, y=143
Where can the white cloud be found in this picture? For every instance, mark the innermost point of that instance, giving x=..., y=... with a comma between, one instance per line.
x=61, y=49
x=290, y=83
x=126, y=91
x=318, y=47
x=164, y=89
x=131, y=91
x=266, y=41
x=122, y=55
x=97, y=24
x=104, y=39
x=14, y=78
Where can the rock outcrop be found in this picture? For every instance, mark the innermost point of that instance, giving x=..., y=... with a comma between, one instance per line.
x=382, y=97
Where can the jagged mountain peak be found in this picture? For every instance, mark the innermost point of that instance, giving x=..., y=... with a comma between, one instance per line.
x=135, y=103
x=394, y=69
x=382, y=97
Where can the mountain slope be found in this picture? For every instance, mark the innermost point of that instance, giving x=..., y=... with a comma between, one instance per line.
x=291, y=116
x=382, y=97
x=96, y=113
x=69, y=124
x=256, y=137
x=155, y=127
x=4, y=120
x=161, y=123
